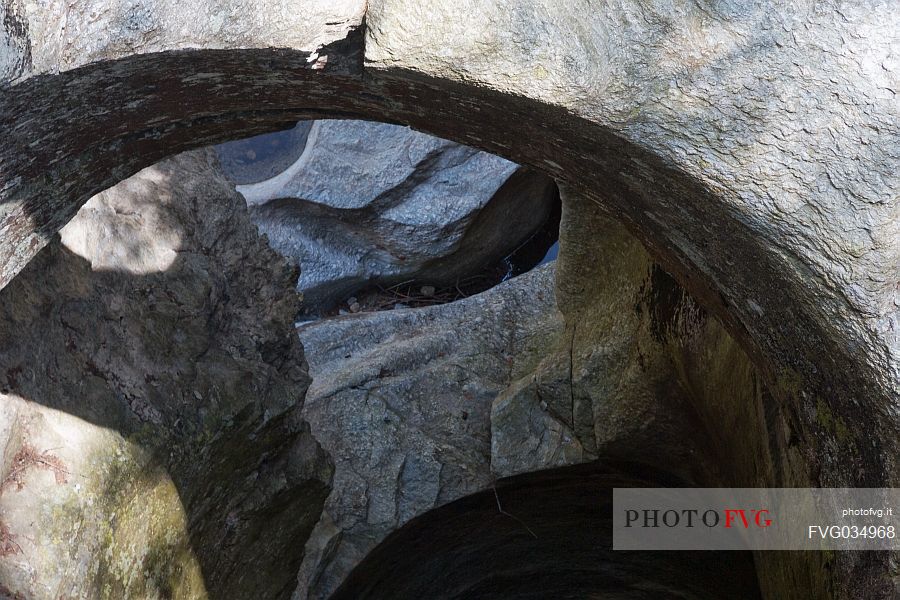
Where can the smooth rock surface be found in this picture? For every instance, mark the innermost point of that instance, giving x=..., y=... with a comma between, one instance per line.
x=151, y=383
x=751, y=147
x=377, y=204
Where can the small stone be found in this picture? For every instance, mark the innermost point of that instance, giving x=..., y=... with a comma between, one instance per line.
x=351, y=300
x=428, y=290
x=354, y=308
x=543, y=405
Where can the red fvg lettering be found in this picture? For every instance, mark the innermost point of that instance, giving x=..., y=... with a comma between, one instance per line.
x=734, y=517
x=729, y=517
x=755, y=515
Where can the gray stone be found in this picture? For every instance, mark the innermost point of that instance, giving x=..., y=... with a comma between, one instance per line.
x=715, y=133
x=376, y=204
x=600, y=359
x=751, y=147
x=151, y=384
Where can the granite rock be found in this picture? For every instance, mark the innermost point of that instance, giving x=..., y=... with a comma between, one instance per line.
x=371, y=204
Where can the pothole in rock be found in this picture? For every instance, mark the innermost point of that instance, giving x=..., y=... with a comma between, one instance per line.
x=380, y=216
x=261, y=157
x=550, y=539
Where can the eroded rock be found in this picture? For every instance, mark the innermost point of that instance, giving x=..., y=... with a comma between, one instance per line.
x=402, y=402
x=377, y=204
x=151, y=381
x=601, y=357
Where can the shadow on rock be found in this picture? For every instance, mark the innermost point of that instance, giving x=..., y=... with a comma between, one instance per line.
x=150, y=356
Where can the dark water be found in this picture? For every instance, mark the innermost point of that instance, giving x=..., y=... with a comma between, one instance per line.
x=261, y=157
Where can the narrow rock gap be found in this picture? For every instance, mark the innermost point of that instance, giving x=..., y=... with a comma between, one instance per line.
x=539, y=249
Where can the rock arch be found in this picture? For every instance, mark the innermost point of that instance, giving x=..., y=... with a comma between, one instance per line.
x=752, y=148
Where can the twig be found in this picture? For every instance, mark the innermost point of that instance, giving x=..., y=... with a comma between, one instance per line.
x=503, y=512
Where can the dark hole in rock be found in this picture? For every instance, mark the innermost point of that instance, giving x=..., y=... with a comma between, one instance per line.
x=261, y=157
x=541, y=535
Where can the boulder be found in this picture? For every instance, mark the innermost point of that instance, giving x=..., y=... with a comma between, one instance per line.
x=751, y=147
x=376, y=204
x=150, y=383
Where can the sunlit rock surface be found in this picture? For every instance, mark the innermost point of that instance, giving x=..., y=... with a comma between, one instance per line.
x=375, y=204
x=150, y=382
x=751, y=147
x=599, y=357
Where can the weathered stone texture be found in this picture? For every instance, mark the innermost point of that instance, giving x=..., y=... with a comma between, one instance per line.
x=602, y=357
x=66, y=35
x=752, y=130
x=751, y=147
x=151, y=382
x=374, y=204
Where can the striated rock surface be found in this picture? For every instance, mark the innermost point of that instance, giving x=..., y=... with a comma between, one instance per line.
x=151, y=381
x=377, y=204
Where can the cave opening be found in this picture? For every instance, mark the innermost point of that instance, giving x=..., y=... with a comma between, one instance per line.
x=542, y=535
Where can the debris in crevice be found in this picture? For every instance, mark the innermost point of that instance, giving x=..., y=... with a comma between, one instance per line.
x=28, y=457
x=539, y=249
